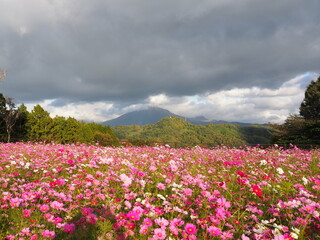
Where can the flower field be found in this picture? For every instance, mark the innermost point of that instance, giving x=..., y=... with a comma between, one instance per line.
x=51, y=191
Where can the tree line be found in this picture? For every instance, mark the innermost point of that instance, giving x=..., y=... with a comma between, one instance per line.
x=18, y=124
x=302, y=128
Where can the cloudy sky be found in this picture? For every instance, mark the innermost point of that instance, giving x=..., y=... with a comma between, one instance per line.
x=246, y=60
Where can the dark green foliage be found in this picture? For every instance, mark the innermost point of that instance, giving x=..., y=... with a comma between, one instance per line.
x=310, y=107
x=39, y=126
x=303, y=129
x=20, y=130
x=179, y=133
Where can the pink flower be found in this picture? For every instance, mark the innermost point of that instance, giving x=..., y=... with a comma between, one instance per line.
x=214, y=231
x=176, y=222
x=147, y=222
x=133, y=216
x=26, y=213
x=143, y=229
x=244, y=237
x=15, y=202
x=190, y=228
x=56, y=205
x=69, y=228
x=187, y=191
x=159, y=233
x=223, y=202
x=57, y=220
x=257, y=190
x=86, y=211
x=44, y=208
x=162, y=222
x=91, y=218
x=34, y=237
x=161, y=186
x=49, y=234
x=126, y=180
x=138, y=210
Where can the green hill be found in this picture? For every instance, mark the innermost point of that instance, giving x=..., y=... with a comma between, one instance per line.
x=180, y=133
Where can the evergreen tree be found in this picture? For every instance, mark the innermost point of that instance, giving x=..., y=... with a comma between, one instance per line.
x=39, y=124
x=310, y=107
x=20, y=128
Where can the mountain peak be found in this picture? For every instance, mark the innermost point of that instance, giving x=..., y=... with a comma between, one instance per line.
x=151, y=115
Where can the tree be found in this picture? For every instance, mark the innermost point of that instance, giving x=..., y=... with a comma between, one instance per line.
x=310, y=107
x=3, y=111
x=10, y=117
x=39, y=124
x=20, y=128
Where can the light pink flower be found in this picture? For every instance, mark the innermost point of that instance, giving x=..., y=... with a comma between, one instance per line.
x=49, y=234
x=161, y=186
x=162, y=222
x=56, y=205
x=187, y=191
x=214, y=231
x=159, y=233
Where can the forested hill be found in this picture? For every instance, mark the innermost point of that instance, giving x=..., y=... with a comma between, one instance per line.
x=179, y=132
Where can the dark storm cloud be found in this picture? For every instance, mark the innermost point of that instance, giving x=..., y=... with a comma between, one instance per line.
x=125, y=51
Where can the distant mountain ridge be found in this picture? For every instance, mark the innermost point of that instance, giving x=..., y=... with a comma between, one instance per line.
x=180, y=133
x=153, y=115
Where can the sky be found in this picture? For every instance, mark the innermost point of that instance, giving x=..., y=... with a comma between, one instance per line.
x=246, y=60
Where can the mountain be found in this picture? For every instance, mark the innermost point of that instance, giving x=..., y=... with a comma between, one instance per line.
x=178, y=132
x=153, y=115
x=140, y=117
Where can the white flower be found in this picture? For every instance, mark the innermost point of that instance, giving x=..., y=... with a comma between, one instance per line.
x=305, y=181
x=263, y=162
x=160, y=196
x=280, y=171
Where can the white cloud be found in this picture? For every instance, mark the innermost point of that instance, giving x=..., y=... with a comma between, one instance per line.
x=253, y=105
x=96, y=111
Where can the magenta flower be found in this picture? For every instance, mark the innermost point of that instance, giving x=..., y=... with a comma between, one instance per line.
x=44, y=208
x=138, y=210
x=147, y=222
x=69, y=228
x=133, y=216
x=86, y=211
x=26, y=213
x=190, y=228
x=34, y=237
x=159, y=233
x=91, y=218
